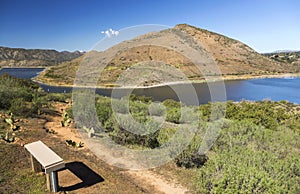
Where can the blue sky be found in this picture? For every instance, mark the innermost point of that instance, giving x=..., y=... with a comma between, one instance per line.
x=265, y=25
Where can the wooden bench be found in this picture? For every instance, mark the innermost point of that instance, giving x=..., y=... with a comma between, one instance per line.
x=42, y=157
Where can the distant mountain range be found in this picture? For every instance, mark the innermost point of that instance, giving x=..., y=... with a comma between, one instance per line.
x=282, y=51
x=18, y=57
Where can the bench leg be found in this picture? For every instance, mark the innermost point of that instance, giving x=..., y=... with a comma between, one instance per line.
x=36, y=167
x=48, y=182
x=53, y=181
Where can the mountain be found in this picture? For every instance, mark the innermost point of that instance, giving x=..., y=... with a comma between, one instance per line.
x=18, y=57
x=233, y=58
x=290, y=57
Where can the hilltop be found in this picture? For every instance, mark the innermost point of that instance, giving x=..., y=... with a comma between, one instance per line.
x=234, y=59
x=19, y=57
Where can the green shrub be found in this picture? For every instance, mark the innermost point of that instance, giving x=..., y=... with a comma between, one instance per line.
x=139, y=111
x=246, y=170
x=173, y=115
x=120, y=106
x=165, y=134
x=19, y=96
x=122, y=136
x=56, y=97
x=157, y=109
x=262, y=113
x=110, y=124
x=143, y=99
x=19, y=107
x=191, y=157
x=251, y=158
x=104, y=111
x=169, y=104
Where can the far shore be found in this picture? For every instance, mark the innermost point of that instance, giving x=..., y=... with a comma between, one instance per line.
x=29, y=67
x=209, y=80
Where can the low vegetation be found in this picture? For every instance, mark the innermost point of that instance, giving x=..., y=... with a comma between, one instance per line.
x=257, y=150
x=23, y=98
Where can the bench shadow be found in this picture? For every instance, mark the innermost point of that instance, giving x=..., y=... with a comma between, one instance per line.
x=84, y=173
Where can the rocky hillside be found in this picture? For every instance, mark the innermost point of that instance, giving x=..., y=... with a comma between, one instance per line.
x=17, y=57
x=234, y=59
x=290, y=57
x=232, y=56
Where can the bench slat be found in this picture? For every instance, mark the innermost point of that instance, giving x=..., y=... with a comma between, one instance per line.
x=44, y=155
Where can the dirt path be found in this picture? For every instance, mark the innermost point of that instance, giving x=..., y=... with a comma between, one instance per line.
x=147, y=180
x=158, y=183
x=54, y=123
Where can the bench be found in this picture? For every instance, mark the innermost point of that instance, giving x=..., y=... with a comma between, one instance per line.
x=42, y=157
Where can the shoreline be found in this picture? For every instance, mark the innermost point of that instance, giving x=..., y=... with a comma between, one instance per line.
x=210, y=80
x=30, y=67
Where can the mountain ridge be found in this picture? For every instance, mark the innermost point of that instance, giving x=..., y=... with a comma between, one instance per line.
x=20, y=57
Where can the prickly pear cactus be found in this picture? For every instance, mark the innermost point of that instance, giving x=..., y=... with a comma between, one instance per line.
x=66, y=120
x=8, y=137
x=11, y=122
x=90, y=131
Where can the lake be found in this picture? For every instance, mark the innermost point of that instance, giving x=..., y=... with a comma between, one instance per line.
x=25, y=73
x=275, y=89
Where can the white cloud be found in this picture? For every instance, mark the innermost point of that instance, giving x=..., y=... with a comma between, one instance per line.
x=109, y=33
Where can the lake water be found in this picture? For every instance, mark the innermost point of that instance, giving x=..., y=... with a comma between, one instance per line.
x=275, y=89
x=25, y=73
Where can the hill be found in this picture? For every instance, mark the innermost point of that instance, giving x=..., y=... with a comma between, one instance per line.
x=290, y=57
x=18, y=57
x=234, y=59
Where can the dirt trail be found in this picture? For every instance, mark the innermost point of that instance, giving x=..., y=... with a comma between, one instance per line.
x=54, y=123
x=157, y=182
x=149, y=181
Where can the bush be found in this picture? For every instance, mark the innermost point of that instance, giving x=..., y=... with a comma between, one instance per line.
x=143, y=99
x=120, y=106
x=169, y=104
x=173, y=115
x=122, y=135
x=56, y=97
x=18, y=96
x=251, y=158
x=165, y=134
x=104, y=111
x=157, y=109
x=262, y=113
x=110, y=124
x=19, y=108
x=190, y=159
x=243, y=169
x=139, y=111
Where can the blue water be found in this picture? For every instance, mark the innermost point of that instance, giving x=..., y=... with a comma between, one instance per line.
x=275, y=89
x=25, y=73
